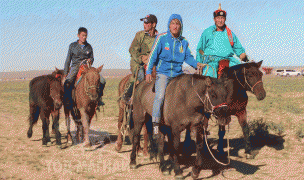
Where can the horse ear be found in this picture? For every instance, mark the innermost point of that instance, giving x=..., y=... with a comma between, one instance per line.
x=208, y=81
x=100, y=68
x=56, y=69
x=259, y=64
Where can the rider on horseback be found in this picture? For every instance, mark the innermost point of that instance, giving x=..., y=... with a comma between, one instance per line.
x=218, y=42
x=168, y=53
x=140, y=50
x=78, y=51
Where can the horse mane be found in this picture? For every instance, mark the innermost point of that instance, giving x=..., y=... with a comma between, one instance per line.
x=229, y=71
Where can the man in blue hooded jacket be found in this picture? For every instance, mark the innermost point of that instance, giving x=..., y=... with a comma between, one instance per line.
x=168, y=53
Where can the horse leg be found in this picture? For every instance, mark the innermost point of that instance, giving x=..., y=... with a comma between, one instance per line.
x=85, y=126
x=55, y=115
x=44, y=115
x=136, y=140
x=119, y=137
x=199, y=156
x=33, y=118
x=221, y=134
x=161, y=143
x=176, y=141
x=242, y=117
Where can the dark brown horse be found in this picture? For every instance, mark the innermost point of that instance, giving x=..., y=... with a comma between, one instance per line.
x=45, y=99
x=86, y=100
x=187, y=97
x=246, y=77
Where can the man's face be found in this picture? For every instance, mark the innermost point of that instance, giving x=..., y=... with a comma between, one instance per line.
x=82, y=37
x=175, y=27
x=219, y=21
x=148, y=26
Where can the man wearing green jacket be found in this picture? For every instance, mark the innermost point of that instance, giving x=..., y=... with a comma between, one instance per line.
x=218, y=42
x=140, y=50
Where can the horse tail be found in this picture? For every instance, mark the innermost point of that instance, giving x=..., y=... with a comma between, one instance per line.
x=33, y=119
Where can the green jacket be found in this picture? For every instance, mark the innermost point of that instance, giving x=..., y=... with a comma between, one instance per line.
x=141, y=45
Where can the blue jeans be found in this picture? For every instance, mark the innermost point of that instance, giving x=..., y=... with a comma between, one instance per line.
x=160, y=88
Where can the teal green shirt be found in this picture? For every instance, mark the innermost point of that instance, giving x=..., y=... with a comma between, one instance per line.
x=216, y=43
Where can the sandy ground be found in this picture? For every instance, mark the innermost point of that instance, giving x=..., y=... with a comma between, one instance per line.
x=23, y=158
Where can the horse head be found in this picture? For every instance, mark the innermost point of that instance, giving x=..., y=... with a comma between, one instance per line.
x=91, y=79
x=253, y=79
x=56, y=92
x=219, y=94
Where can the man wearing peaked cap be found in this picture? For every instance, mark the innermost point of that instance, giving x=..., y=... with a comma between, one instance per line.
x=140, y=50
x=217, y=43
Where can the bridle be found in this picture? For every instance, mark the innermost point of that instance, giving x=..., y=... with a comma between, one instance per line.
x=87, y=87
x=246, y=82
x=207, y=99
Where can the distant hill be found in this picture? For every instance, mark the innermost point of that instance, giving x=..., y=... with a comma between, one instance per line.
x=31, y=74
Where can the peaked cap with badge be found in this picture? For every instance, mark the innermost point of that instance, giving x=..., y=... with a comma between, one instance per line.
x=219, y=12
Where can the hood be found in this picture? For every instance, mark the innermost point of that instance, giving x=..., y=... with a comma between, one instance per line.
x=176, y=16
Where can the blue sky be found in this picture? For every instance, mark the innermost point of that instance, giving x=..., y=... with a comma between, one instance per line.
x=35, y=35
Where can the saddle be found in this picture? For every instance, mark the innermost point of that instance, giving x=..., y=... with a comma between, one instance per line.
x=79, y=74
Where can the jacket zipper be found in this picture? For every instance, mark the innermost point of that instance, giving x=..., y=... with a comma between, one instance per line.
x=173, y=57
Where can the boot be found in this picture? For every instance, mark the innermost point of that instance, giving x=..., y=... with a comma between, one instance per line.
x=128, y=92
x=100, y=102
x=155, y=130
x=68, y=100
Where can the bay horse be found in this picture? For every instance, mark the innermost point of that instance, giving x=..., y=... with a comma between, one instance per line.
x=45, y=99
x=121, y=104
x=187, y=97
x=246, y=77
x=84, y=107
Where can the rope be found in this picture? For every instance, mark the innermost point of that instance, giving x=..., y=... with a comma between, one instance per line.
x=212, y=153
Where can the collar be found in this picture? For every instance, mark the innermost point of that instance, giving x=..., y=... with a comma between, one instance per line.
x=170, y=35
x=156, y=33
x=85, y=44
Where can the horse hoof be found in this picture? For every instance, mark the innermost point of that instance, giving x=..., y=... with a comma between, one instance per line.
x=249, y=156
x=118, y=147
x=179, y=177
x=166, y=173
x=48, y=144
x=59, y=146
x=133, y=166
x=194, y=176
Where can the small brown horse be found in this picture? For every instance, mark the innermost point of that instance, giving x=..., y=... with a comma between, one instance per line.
x=246, y=77
x=86, y=101
x=187, y=97
x=121, y=88
x=45, y=99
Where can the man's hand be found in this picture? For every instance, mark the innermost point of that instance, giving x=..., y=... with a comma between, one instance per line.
x=243, y=57
x=148, y=78
x=89, y=61
x=200, y=67
x=144, y=59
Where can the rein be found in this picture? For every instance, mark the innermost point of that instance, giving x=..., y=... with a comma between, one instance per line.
x=207, y=98
x=246, y=82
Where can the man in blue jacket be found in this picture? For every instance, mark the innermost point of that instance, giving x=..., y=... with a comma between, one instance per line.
x=218, y=42
x=168, y=53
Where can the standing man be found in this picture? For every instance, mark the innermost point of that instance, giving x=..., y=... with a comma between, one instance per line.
x=140, y=50
x=218, y=42
x=78, y=51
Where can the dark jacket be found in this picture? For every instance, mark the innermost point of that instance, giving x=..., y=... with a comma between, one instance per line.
x=76, y=55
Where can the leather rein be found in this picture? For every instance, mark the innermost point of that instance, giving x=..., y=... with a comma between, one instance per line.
x=246, y=82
